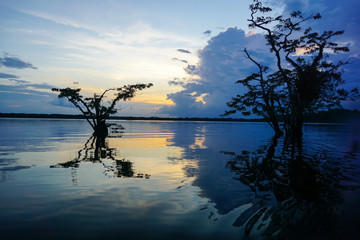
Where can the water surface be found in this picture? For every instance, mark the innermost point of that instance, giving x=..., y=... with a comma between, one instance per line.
x=176, y=180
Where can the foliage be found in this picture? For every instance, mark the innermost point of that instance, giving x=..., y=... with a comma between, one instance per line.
x=92, y=107
x=305, y=79
x=263, y=96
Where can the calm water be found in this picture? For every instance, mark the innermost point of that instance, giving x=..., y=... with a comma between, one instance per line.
x=177, y=180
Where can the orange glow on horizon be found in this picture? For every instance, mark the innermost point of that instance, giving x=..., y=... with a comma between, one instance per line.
x=142, y=97
x=141, y=140
x=153, y=99
x=153, y=154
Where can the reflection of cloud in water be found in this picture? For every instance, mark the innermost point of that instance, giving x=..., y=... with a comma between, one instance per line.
x=29, y=135
x=303, y=185
x=15, y=168
x=7, y=159
x=201, y=143
x=8, y=163
x=4, y=172
x=217, y=183
x=190, y=187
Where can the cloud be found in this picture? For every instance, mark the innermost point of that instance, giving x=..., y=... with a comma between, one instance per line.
x=18, y=81
x=5, y=75
x=62, y=102
x=142, y=34
x=183, y=50
x=177, y=82
x=13, y=78
x=14, y=62
x=337, y=15
x=31, y=98
x=180, y=60
x=27, y=98
x=207, y=33
x=40, y=86
x=21, y=95
x=56, y=19
x=190, y=69
x=24, y=89
x=211, y=82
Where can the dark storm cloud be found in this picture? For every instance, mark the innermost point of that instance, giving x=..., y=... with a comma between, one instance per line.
x=183, y=50
x=14, y=62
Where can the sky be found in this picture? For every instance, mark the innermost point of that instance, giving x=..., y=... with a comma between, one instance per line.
x=191, y=51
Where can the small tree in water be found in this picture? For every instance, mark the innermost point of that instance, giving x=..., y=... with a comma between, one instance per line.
x=93, y=108
x=309, y=82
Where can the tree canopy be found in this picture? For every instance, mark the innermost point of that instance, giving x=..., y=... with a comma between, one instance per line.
x=304, y=80
x=94, y=108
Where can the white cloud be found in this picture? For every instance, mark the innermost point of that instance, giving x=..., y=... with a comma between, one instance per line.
x=211, y=82
x=141, y=33
x=222, y=61
x=56, y=19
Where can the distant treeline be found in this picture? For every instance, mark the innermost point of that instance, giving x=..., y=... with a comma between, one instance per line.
x=331, y=116
x=68, y=116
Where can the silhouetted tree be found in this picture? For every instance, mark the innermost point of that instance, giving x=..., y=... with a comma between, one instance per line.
x=264, y=96
x=94, y=110
x=305, y=80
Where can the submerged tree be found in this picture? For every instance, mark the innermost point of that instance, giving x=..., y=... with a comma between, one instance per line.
x=263, y=96
x=304, y=80
x=93, y=108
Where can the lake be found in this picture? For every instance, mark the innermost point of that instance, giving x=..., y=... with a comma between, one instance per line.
x=178, y=180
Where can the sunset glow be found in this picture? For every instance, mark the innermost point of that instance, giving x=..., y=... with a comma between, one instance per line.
x=180, y=49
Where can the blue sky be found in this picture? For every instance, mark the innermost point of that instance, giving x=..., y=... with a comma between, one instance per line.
x=104, y=44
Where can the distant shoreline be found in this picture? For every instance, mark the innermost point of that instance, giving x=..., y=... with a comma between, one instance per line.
x=331, y=116
x=70, y=116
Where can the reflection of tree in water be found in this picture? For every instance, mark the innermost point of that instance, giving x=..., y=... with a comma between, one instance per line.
x=295, y=194
x=96, y=150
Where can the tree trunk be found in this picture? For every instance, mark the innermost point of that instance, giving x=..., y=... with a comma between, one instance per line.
x=296, y=124
x=274, y=122
x=278, y=131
